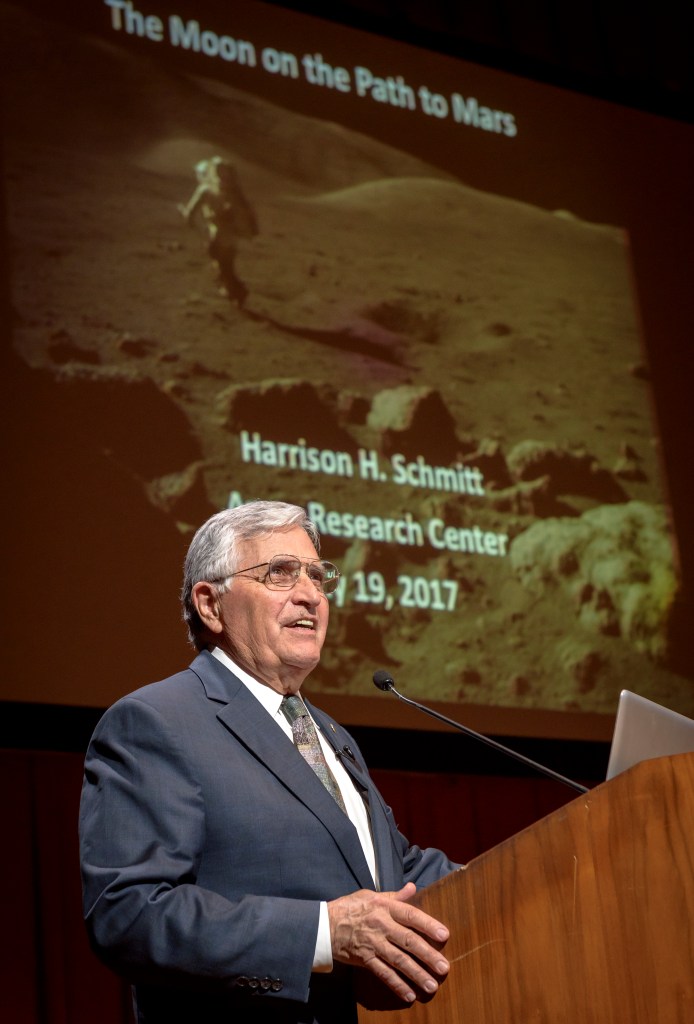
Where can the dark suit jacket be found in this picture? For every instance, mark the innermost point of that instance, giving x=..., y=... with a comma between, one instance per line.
x=207, y=843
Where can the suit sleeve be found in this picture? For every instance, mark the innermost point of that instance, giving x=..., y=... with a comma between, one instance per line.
x=426, y=866
x=142, y=833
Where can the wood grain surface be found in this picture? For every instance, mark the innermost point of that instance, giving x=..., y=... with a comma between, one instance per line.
x=586, y=916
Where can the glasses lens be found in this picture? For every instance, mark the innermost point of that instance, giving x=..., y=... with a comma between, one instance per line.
x=283, y=572
x=330, y=577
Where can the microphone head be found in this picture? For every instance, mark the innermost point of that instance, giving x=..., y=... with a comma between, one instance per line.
x=383, y=680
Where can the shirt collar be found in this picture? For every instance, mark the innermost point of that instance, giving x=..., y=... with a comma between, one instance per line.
x=269, y=698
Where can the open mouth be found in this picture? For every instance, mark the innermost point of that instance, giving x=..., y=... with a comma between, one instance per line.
x=304, y=624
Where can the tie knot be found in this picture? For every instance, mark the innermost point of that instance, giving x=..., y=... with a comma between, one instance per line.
x=293, y=707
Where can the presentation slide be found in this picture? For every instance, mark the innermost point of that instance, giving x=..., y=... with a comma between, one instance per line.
x=253, y=254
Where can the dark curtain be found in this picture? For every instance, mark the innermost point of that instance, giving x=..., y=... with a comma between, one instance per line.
x=50, y=975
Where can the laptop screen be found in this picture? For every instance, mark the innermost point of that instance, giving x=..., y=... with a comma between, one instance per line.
x=644, y=729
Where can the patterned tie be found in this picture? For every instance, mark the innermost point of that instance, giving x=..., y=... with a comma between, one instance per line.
x=307, y=742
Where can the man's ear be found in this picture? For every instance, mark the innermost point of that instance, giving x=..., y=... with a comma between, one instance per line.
x=206, y=601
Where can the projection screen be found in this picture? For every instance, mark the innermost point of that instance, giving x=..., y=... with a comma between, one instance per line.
x=253, y=254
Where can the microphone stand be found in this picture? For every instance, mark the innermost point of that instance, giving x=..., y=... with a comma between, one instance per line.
x=384, y=681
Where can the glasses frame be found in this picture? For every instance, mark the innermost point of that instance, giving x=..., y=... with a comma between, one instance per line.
x=303, y=564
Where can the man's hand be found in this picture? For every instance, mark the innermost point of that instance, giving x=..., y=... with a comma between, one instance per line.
x=383, y=933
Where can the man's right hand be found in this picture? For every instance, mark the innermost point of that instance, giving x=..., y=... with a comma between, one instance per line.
x=383, y=933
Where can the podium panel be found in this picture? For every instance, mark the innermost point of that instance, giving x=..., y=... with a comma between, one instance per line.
x=586, y=916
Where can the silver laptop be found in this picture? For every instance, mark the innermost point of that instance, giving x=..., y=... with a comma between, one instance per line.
x=644, y=729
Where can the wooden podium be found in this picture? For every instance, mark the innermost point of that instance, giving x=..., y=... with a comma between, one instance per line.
x=586, y=917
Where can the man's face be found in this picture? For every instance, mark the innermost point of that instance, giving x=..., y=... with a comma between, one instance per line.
x=276, y=635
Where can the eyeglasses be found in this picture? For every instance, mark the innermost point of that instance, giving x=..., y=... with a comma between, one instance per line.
x=283, y=572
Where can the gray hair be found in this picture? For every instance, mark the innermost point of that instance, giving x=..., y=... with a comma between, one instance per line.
x=213, y=552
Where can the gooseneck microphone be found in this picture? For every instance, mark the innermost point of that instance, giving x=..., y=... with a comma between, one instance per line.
x=384, y=681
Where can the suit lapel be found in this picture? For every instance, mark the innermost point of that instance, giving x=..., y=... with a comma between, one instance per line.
x=249, y=722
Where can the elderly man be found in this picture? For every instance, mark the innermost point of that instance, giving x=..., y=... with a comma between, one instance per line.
x=238, y=862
